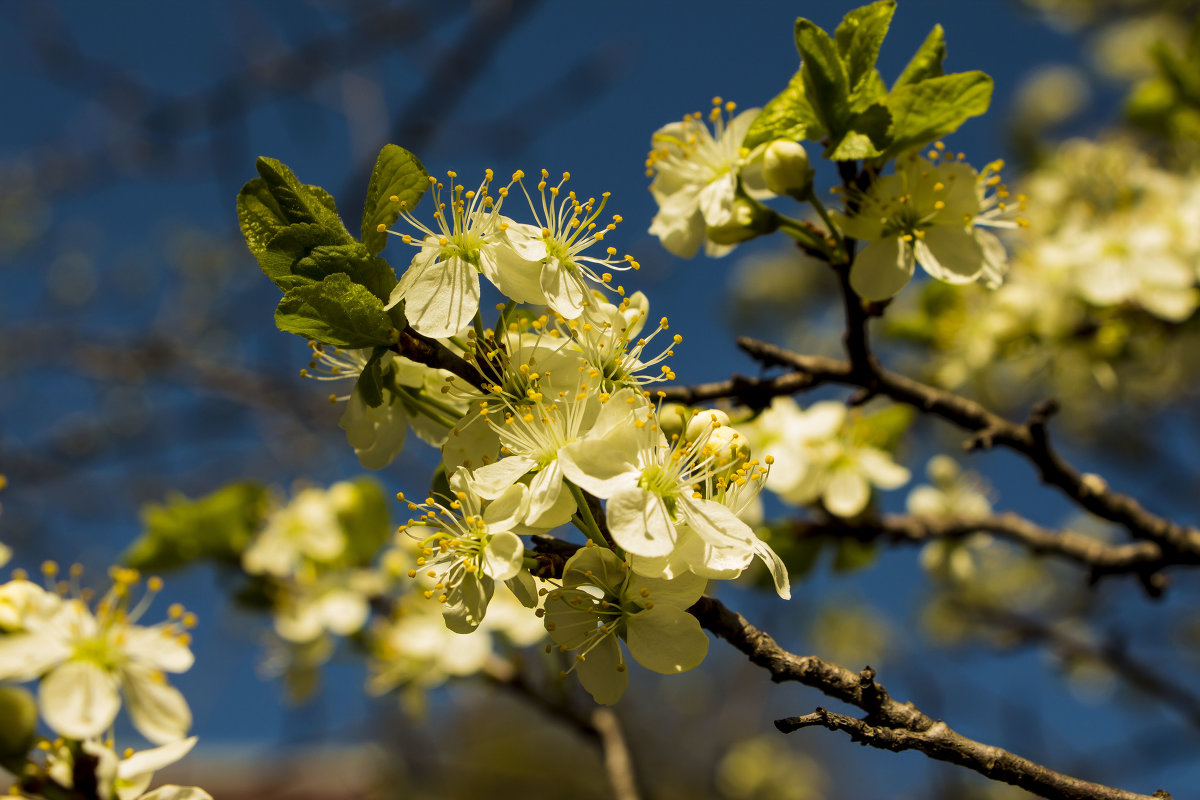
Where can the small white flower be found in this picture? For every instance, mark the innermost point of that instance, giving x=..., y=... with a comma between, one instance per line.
x=466, y=548
x=125, y=778
x=602, y=601
x=816, y=457
x=87, y=662
x=565, y=228
x=696, y=177
x=440, y=289
x=307, y=528
x=930, y=213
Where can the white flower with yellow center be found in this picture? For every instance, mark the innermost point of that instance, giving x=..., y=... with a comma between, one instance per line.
x=565, y=228
x=817, y=457
x=655, y=490
x=127, y=777
x=465, y=549
x=932, y=213
x=696, y=174
x=601, y=601
x=440, y=289
x=734, y=483
x=86, y=662
x=306, y=529
x=609, y=338
x=411, y=398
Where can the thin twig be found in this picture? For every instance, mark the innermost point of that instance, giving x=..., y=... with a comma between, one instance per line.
x=599, y=726
x=890, y=724
x=1180, y=543
x=1143, y=559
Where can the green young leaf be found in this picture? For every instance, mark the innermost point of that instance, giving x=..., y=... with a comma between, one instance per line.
x=927, y=61
x=370, y=380
x=365, y=523
x=290, y=244
x=397, y=174
x=296, y=201
x=335, y=311
x=216, y=527
x=369, y=271
x=825, y=82
x=788, y=115
x=870, y=91
x=866, y=135
x=860, y=35
x=935, y=107
x=259, y=216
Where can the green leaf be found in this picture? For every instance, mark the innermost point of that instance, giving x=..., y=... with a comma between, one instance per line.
x=870, y=91
x=353, y=259
x=365, y=523
x=370, y=380
x=297, y=201
x=935, y=107
x=866, y=135
x=397, y=174
x=851, y=555
x=335, y=311
x=788, y=115
x=860, y=35
x=927, y=61
x=217, y=527
x=825, y=82
x=259, y=216
x=289, y=244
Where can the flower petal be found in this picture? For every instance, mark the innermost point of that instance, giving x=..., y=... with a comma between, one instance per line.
x=951, y=254
x=157, y=710
x=502, y=556
x=847, y=492
x=79, y=699
x=666, y=639
x=493, y=480
x=159, y=648
x=441, y=296
x=640, y=522
x=602, y=671
x=882, y=269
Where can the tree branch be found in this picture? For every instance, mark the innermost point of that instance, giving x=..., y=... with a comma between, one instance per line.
x=1180, y=543
x=890, y=724
x=600, y=726
x=1143, y=559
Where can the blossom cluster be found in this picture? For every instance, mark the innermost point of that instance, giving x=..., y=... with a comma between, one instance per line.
x=88, y=661
x=1110, y=263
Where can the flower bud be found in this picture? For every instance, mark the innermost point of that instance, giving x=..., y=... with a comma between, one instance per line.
x=786, y=169
x=749, y=220
x=18, y=722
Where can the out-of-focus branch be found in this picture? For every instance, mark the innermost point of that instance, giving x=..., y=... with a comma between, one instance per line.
x=600, y=725
x=890, y=724
x=1108, y=651
x=1180, y=543
x=1144, y=559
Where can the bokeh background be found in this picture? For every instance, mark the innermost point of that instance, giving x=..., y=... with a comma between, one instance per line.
x=139, y=358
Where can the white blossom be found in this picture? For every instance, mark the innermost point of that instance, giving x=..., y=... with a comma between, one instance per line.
x=696, y=176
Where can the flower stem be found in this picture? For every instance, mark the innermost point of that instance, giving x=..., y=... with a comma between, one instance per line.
x=584, y=519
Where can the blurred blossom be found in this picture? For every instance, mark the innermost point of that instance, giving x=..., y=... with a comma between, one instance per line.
x=820, y=456
x=1049, y=96
x=850, y=633
x=769, y=768
x=1122, y=50
x=1111, y=258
